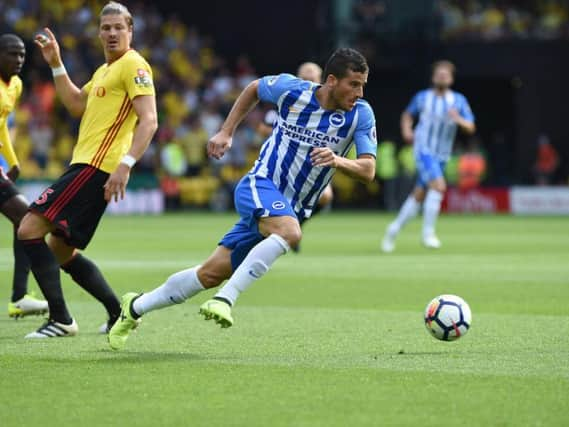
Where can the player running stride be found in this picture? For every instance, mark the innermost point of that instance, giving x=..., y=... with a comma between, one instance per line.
x=12, y=204
x=317, y=125
x=440, y=111
x=118, y=110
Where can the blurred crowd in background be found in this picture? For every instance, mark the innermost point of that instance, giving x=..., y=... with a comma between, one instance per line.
x=196, y=88
x=506, y=19
x=481, y=20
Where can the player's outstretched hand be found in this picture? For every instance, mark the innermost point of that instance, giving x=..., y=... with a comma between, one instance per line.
x=219, y=144
x=323, y=157
x=454, y=115
x=49, y=48
x=115, y=187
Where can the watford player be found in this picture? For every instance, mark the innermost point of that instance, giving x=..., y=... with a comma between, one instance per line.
x=12, y=204
x=118, y=119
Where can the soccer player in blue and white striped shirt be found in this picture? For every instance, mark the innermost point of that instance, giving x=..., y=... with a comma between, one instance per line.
x=316, y=127
x=440, y=111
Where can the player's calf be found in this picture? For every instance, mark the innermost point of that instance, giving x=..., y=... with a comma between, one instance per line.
x=216, y=269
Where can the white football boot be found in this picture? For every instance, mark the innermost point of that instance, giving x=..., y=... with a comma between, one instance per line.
x=431, y=242
x=26, y=306
x=388, y=243
x=53, y=329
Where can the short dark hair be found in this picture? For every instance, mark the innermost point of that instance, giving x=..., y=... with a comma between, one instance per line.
x=345, y=59
x=116, y=8
x=10, y=39
x=444, y=63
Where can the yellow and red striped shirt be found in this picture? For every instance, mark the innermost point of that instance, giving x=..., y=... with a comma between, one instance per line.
x=108, y=123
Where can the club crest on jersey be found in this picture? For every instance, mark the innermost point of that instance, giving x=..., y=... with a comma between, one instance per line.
x=278, y=205
x=142, y=78
x=337, y=120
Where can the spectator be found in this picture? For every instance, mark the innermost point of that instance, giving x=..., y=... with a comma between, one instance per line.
x=547, y=161
x=471, y=166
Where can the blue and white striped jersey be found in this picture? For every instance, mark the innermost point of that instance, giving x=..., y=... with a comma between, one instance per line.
x=435, y=131
x=302, y=125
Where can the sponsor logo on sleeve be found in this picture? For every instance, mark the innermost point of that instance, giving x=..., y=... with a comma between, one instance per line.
x=373, y=134
x=143, y=78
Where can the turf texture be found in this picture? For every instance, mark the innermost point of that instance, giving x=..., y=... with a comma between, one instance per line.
x=332, y=336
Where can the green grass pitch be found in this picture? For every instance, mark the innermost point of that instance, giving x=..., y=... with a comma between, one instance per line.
x=331, y=337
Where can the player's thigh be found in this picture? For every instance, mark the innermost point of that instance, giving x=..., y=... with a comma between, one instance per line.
x=62, y=251
x=327, y=196
x=34, y=226
x=438, y=184
x=216, y=268
x=285, y=226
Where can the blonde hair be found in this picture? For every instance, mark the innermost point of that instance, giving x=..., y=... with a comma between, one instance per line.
x=116, y=8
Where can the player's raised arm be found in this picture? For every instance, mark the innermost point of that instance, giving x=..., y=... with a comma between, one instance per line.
x=220, y=143
x=72, y=97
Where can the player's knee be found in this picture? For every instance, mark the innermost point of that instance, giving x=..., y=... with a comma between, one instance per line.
x=63, y=252
x=439, y=186
x=286, y=227
x=26, y=229
x=291, y=234
x=419, y=195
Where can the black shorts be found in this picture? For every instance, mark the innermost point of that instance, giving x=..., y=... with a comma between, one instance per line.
x=7, y=188
x=75, y=204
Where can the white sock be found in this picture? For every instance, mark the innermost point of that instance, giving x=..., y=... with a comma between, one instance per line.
x=178, y=287
x=408, y=211
x=431, y=211
x=254, y=266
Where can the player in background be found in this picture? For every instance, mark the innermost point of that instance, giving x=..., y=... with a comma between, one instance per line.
x=316, y=127
x=313, y=73
x=12, y=204
x=118, y=119
x=440, y=111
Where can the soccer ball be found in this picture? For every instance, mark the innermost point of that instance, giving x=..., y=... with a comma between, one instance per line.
x=448, y=317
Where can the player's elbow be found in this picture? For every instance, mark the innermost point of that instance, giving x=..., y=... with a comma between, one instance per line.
x=150, y=122
x=368, y=177
x=76, y=110
x=76, y=105
x=368, y=174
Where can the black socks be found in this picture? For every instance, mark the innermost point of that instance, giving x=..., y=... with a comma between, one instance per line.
x=46, y=271
x=87, y=275
x=21, y=270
